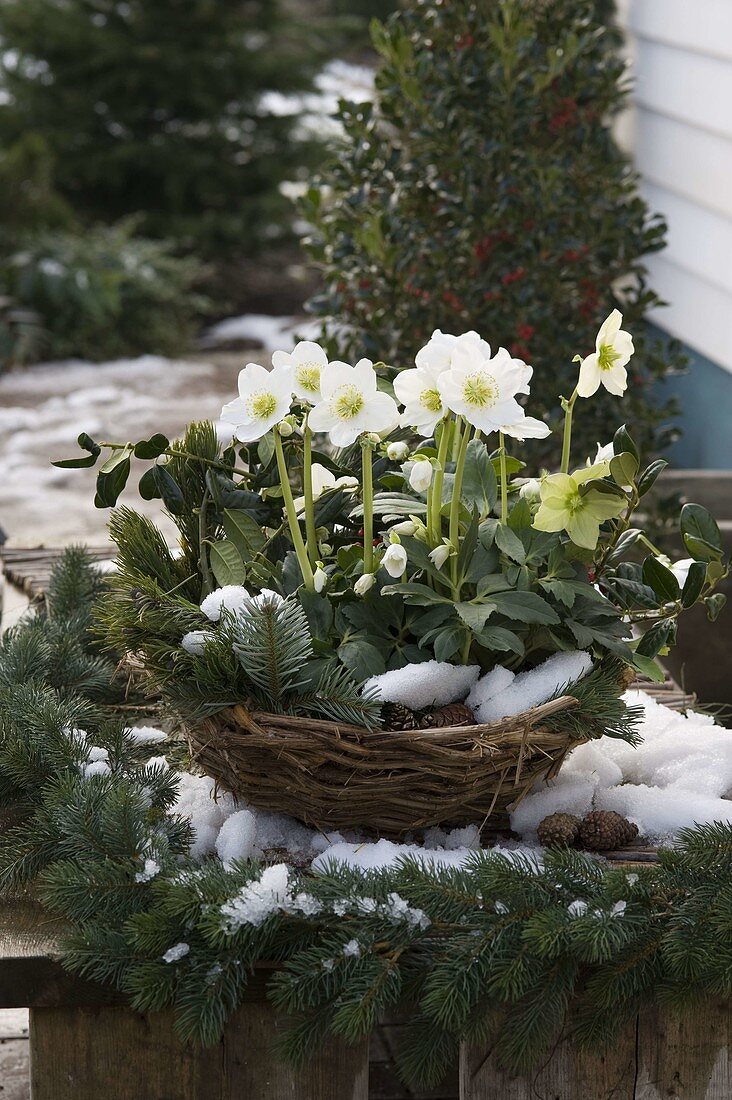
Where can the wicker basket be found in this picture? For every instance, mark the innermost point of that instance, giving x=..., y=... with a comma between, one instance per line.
x=334, y=776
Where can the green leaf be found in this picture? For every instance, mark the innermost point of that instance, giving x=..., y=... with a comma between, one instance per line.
x=226, y=563
x=448, y=642
x=509, y=542
x=153, y=447
x=649, y=668
x=648, y=478
x=524, y=607
x=480, y=487
x=700, y=532
x=362, y=658
x=560, y=590
x=111, y=483
x=501, y=639
x=117, y=457
x=169, y=490
x=266, y=449
x=87, y=444
x=694, y=583
x=244, y=532
x=415, y=593
x=319, y=611
x=661, y=580
x=660, y=635
x=475, y=615
x=622, y=441
x=623, y=468
x=714, y=605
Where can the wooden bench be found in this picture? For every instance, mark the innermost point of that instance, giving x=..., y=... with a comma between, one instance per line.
x=87, y=1045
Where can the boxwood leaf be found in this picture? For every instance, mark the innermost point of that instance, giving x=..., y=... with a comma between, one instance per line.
x=661, y=580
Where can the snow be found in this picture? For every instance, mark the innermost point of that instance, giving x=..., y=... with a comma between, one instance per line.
x=195, y=801
x=232, y=597
x=535, y=686
x=376, y=855
x=272, y=332
x=498, y=679
x=258, y=899
x=431, y=683
x=177, y=952
x=194, y=641
x=150, y=869
x=146, y=735
x=98, y=767
x=352, y=949
x=679, y=776
x=236, y=837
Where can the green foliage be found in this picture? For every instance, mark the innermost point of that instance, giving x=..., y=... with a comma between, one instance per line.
x=160, y=108
x=484, y=190
x=503, y=950
x=103, y=293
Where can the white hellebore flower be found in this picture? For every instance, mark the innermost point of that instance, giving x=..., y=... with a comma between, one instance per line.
x=320, y=578
x=528, y=427
x=483, y=389
x=604, y=454
x=405, y=527
x=264, y=399
x=324, y=480
x=607, y=363
x=440, y=554
x=351, y=403
x=437, y=354
x=397, y=452
x=364, y=584
x=420, y=476
x=423, y=406
x=394, y=559
x=304, y=363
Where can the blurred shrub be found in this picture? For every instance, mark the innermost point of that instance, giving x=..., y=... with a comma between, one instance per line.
x=484, y=189
x=97, y=295
x=162, y=107
x=30, y=200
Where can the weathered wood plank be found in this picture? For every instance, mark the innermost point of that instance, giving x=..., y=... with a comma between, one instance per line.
x=662, y=1055
x=566, y=1075
x=118, y=1054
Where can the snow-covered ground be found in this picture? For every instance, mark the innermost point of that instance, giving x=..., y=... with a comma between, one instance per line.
x=44, y=409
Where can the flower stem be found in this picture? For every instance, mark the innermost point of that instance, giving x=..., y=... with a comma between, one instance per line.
x=567, y=440
x=368, y=506
x=454, y=528
x=292, y=521
x=434, y=522
x=307, y=484
x=504, y=477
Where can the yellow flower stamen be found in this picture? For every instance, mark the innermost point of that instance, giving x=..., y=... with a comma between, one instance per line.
x=607, y=356
x=431, y=400
x=308, y=376
x=347, y=402
x=262, y=405
x=480, y=390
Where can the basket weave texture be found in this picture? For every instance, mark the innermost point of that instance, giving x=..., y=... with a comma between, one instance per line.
x=336, y=776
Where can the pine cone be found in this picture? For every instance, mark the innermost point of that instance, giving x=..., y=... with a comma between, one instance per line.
x=558, y=830
x=604, y=830
x=453, y=714
x=395, y=716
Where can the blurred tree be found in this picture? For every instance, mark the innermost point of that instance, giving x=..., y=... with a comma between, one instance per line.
x=172, y=108
x=484, y=189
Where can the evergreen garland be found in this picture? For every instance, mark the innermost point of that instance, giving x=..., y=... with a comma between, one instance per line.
x=503, y=947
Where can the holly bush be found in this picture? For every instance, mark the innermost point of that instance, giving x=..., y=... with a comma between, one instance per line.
x=484, y=189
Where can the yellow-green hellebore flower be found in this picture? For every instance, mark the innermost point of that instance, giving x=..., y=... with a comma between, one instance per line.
x=565, y=507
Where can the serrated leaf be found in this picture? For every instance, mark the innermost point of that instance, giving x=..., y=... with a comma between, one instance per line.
x=448, y=642
x=480, y=487
x=524, y=607
x=475, y=615
x=415, y=593
x=362, y=658
x=226, y=563
x=501, y=639
x=244, y=532
x=509, y=542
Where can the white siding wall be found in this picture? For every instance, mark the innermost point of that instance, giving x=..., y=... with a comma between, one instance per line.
x=680, y=132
